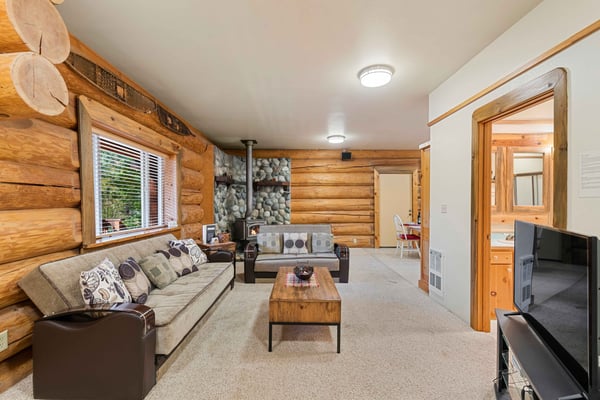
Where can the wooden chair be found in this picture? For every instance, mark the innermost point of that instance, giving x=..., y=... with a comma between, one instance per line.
x=404, y=239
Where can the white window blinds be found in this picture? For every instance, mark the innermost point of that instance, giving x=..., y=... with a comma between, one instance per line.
x=134, y=188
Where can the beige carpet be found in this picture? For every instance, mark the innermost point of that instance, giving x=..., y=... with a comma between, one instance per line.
x=396, y=344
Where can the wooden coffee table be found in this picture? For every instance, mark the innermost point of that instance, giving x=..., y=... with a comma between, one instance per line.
x=291, y=305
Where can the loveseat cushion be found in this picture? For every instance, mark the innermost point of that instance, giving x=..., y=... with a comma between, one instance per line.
x=272, y=262
x=269, y=242
x=322, y=242
x=295, y=243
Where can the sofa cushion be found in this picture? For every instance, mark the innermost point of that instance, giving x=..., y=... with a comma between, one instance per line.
x=198, y=256
x=135, y=280
x=322, y=242
x=158, y=270
x=272, y=262
x=269, y=243
x=102, y=284
x=180, y=259
x=295, y=243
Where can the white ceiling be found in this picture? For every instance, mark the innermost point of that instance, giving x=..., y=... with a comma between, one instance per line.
x=283, y=72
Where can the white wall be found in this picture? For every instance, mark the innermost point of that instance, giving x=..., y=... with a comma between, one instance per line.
x=544, y=27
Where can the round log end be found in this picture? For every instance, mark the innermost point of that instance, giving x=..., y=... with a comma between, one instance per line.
x=41, y=28
x=39, y=84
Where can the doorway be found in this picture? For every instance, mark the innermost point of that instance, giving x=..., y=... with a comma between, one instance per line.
x=395, y=197
x=552, y=85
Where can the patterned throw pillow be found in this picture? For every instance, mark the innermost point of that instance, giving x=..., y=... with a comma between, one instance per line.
x=198, y=256
x=322, y=242
x=102, y=284
x=135, y=280
x=158, y=270
x=269, y=242
x=295, y=243
x=180, y=259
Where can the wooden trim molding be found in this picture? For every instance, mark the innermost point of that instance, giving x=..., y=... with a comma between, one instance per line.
x=552, y=84
x=565, y=44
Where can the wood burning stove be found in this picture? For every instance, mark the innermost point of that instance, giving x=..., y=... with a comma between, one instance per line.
x=246, y=229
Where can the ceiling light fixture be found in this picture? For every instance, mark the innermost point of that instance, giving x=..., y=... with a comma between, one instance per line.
x=335, y=139
x=375, y=75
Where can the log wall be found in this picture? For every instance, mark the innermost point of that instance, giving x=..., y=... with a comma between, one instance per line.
x=325, y=189
x=40, y=197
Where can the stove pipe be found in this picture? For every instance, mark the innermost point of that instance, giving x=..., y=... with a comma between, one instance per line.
x=249, y=189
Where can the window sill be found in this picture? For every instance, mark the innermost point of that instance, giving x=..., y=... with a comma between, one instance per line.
x=134, y=236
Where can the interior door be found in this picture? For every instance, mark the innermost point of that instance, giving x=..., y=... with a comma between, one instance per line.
x=395, y=197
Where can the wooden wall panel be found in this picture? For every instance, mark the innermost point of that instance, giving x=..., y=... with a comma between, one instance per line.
x=348, y=204
x=21, y=197
x=189, y=196
x=331, y=192
x=18, y=320
x=191, y=214
x=15, y=368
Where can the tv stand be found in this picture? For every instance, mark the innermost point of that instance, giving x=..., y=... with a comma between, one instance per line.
x=526, y=365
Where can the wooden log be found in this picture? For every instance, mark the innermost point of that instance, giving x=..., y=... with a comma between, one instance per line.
x=33, y=25
x=22, y=197
x=31, y=233
x=353, y=229
x=66, y=119
x=356, y=241
x=30, y=86
x=188, y=196
x=331, y=217
x=192, y=160
x=331, y=204
x=39, y=143
x=327, y=154
x=193, y=231
x=14, y=172
x=18, y=319
x=15, y=368
x=191, y=214
x=342, y=179
x=332, y=192
x=11, y=273
x=191, y=179
x=56, y=1
x=361, y=165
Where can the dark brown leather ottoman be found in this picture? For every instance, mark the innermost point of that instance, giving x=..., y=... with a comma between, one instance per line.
x=77, y=356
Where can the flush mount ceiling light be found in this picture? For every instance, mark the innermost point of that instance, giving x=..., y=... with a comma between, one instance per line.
x=334, y=139
x=375, y=75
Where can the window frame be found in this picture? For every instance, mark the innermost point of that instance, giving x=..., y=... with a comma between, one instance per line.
x=96, y=118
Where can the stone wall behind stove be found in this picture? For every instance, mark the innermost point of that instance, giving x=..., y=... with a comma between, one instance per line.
x=271, y=203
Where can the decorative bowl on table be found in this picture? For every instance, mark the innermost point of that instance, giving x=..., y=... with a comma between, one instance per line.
x=303, y=272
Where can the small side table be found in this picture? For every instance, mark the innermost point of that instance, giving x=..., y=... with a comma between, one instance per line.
x=212, y=248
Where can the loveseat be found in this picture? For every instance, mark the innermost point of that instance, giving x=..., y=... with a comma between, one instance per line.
x=292, y=244
x=155, y=328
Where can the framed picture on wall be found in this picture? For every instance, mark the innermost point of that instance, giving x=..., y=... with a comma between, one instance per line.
x=209, y=232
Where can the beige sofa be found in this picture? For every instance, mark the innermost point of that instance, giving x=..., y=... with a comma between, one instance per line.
x=54, y=288
x=259, y=263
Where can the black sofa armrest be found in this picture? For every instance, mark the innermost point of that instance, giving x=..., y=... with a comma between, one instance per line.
x=250, y=255
x=221, y=256
x=72, y=349
x=343, y=253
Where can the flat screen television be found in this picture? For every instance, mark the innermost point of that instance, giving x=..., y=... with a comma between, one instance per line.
x=556, y=291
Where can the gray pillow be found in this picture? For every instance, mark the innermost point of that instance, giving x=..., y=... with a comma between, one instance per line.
x=158, y=270
x=322, y=242
x=269, y=242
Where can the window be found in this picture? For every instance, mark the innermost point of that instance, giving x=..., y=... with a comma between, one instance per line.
x=134, y=187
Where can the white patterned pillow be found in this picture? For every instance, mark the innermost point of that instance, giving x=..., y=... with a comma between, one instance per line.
x=269, y=242
x=180, y=259
x=322, y=242
x=295, y=243
x=198, y=256
x=102, y=284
